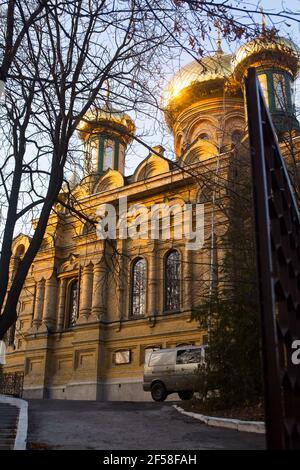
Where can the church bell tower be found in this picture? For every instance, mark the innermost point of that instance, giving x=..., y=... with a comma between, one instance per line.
x=106, y=133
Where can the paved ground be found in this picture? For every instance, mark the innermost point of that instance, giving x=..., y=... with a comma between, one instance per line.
x=8, y=425
x=61, y=424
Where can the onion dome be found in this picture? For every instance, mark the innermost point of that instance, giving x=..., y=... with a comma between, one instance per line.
x=197, y=80
x=107, y=120
x=260, y=51
x=277, y=64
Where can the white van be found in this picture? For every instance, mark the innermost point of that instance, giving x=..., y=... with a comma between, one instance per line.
x=169, y=371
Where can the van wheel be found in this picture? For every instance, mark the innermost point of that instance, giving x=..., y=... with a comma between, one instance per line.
x=158, y=392
x=185, y=395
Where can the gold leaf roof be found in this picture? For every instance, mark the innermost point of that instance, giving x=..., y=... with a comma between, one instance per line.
x=198, y=80
x=261, y=50
x=208, y=69
x=99, y=120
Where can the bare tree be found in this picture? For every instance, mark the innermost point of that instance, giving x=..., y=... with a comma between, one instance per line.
x=57, y=57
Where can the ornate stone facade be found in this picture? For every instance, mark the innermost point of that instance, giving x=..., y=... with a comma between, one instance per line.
x=76, y=309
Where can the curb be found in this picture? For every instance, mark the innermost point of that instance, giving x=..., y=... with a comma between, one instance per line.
x=236, y=424
x=21, y=436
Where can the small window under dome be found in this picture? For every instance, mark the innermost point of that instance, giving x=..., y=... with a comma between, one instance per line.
x=108, y=157
x=94, y=145
x=236, y=137
x=20, y=251
x=280, y=92
x=204, y=136
x=263, y=81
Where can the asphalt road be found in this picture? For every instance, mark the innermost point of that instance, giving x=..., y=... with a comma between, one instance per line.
x=60, y=424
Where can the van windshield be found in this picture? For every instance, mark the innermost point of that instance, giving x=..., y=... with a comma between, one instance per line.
x=189, y=356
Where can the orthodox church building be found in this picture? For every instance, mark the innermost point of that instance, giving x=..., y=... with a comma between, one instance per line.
x=91, y=308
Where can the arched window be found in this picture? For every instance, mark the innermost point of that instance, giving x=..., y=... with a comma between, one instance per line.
x=20, y=251
x=108, y=158
x=72, y=304
x=280, y=91
x=172, y=281
x=88, y=228
x=236, y=137
x=204, y=136
x=138, y=289
x=93, y=154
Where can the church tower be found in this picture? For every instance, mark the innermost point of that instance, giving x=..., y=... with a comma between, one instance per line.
x=277, y=64
x=106, y=133
x=204, y=108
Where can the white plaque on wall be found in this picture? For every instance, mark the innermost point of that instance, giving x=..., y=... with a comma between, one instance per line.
x=122, y=357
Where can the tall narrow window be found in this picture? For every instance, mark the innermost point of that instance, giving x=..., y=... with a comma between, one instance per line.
x=138, y=300
x=93, y=163
x=73, y=303
x=280, y=92
x=263, y=81
x=172, y=281
x=108, y=158
x=292, y=91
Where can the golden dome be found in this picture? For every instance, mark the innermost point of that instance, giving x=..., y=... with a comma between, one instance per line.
x=210, y=68
x=262, y=51
x=196, y=80
x=107, y=120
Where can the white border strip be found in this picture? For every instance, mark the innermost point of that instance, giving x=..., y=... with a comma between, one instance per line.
x=22, y=427
x=236, y=424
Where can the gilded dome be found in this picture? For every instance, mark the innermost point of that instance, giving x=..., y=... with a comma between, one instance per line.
x=110, y=120
x=196, y=80
x=261, y=51
x=210, y=68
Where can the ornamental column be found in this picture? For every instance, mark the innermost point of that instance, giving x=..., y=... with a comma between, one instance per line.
x=85, y=293
x=61, y=303
x=49, y=309
x=38, y=305
x=99, y=301
x=187, y=277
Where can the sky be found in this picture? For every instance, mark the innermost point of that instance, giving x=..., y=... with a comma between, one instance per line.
x=155, y=134
x=163, y=137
